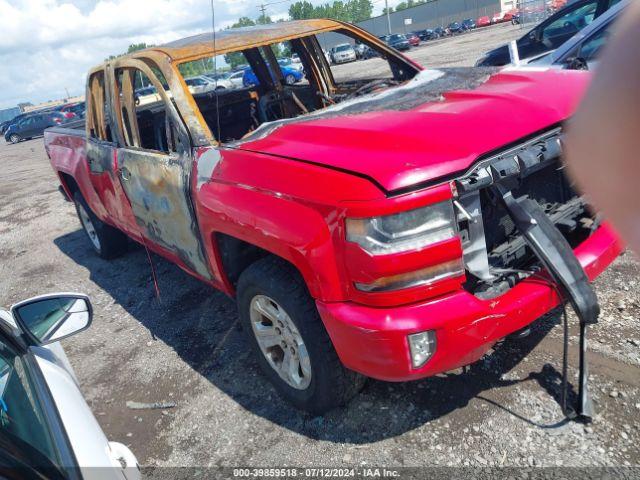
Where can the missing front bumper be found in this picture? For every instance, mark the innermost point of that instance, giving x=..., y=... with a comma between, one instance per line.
x=555, y=253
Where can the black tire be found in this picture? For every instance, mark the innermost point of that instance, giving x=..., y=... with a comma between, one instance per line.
x=14, y=138
x=109, y=241
x=331, y=384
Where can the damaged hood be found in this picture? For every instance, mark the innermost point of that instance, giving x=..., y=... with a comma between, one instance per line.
x=433, y=126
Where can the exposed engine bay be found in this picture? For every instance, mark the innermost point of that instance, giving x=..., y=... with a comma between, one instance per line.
x=496, y=255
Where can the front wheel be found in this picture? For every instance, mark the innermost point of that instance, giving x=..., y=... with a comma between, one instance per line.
x=107, y=241
x=290, y=79
x=14, y=138
x=289, y=340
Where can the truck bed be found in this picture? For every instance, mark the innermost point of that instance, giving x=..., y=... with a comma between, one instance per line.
x=75, y=128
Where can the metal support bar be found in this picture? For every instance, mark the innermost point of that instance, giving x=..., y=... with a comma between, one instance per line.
x=556, y=255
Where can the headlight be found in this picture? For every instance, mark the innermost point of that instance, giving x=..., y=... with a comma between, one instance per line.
x=400, y=232
x=422, y=277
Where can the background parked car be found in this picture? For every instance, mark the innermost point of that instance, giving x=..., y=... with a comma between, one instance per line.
x=397, y=41
x=48, y=430
x=200, y=84
x=76, y=108
x=343, y=53
x=551, y=33
x=441, y=31
x=369, y=52
x=146, y=95
x=497, y=17
x=291, y=76
x=427, y=34
x=33, y=125
x=63, y=109
x=359, y=48
x=468, y=24
x=220, y=81
x=5, y=125
x=455, y=28
x=235, y=77
x=413, y=39
x=483, y=21
x=287, y=62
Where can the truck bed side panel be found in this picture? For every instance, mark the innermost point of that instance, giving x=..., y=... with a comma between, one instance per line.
x=67, y=153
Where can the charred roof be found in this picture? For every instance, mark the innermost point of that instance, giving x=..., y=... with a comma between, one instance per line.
x=246, y=37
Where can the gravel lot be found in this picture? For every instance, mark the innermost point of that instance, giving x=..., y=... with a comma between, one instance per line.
x=186, y=348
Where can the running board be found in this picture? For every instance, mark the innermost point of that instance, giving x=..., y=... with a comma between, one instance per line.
x=558, y=258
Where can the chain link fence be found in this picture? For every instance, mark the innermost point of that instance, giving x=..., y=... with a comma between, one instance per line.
x=532, y=12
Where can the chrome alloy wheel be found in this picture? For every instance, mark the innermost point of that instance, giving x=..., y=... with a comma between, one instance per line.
x=280, y=341
x=85, y=219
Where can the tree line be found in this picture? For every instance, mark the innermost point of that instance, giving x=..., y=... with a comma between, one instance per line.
x=404, y=5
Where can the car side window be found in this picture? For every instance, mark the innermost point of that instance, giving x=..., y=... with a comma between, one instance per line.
x=571, y=22
x=141, y=112
x=341, y=50
x=20, y=412
x=97, y=116
x=592, y=46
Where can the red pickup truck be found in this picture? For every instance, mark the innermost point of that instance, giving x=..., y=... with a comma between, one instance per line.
x=366, y=219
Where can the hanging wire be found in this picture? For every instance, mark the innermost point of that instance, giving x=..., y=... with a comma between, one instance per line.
x=215, y=70
x=568, y=411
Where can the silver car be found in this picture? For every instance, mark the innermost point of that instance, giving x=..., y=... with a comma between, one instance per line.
x=46, y=428
x=343, y=53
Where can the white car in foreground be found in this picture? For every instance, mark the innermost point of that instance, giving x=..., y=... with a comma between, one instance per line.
x=46, y=428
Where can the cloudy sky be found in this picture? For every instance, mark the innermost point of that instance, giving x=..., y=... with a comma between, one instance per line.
x=47, y=45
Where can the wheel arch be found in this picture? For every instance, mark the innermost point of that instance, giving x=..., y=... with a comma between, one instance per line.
x=235, y=255
x=69, y=184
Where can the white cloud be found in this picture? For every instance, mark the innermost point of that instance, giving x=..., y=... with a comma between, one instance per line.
x=48, y=45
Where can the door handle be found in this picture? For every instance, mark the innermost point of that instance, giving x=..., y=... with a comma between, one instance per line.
x=125, y=174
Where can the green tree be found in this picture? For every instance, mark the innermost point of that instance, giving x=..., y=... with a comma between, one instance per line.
x=243, y=22
x=235, y=59
x=301, y=10
x=134, y=47
x=349, y=11
x=409, y=4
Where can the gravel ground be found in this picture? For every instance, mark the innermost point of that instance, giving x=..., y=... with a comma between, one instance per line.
x=186, y=348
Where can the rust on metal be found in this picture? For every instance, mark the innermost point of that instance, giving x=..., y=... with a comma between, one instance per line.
x=157, y=184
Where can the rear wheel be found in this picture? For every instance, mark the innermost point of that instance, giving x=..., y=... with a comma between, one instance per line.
x=290, y=79
x=107, y=241
x=14, y=138
x=290, y=342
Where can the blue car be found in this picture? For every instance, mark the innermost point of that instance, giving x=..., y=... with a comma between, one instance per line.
x=291, y=76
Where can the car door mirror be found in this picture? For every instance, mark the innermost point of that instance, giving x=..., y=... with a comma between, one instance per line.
x=576, y=63
x=534, y=36
x=50, y=318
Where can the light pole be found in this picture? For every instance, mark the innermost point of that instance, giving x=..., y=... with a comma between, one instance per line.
x=386, y=7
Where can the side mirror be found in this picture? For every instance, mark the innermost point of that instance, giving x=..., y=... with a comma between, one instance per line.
x=50, y=318
x=576, y=63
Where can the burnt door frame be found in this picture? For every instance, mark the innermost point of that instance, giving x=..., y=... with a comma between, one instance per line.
x=157, y=184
